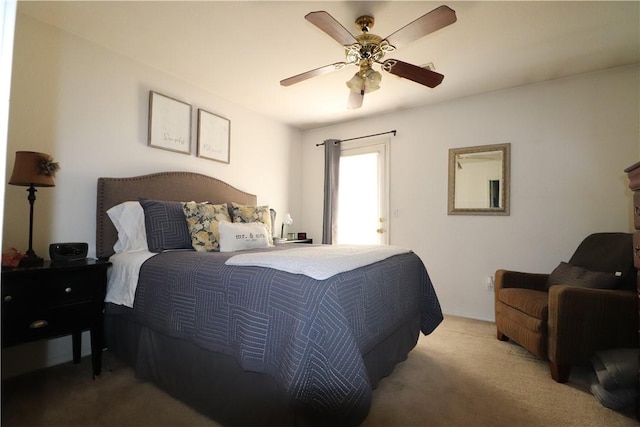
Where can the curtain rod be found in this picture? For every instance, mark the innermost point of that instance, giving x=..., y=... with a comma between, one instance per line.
x=360, y=137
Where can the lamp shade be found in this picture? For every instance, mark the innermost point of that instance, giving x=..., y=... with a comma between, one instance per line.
x=287, y=219
x=356, y=83
x=33, y=168
x=365, y=81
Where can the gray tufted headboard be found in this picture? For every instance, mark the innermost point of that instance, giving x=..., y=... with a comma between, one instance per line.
x=174, y=186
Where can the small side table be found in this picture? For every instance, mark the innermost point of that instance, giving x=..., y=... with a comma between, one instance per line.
x=54, y=300
x=282, y=242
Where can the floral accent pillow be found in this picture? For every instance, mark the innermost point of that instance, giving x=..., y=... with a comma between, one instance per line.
x=203, y=220
x=244, y=213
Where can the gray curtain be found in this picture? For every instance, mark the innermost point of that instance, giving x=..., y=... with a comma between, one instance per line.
x=331, y=179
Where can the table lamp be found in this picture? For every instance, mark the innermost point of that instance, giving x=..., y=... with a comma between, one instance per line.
x=286, y=221
x=33, y=170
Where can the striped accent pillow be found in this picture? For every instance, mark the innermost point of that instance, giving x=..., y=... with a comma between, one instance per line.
x=166, y=225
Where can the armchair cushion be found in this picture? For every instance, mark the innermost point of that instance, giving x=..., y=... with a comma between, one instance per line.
x=527, y=301
x=567, y=274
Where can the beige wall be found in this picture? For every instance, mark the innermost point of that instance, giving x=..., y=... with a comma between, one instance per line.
x=88, y=108
x=570, y=142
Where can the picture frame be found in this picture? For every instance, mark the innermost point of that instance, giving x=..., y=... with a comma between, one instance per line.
x=213, y=137
x=169, y=123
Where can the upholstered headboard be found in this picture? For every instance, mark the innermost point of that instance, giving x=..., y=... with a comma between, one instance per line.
x=172, y=186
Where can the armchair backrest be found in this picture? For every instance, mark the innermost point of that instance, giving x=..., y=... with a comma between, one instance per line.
x=610, y=253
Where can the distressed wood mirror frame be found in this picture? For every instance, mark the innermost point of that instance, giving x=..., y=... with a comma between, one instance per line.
x=488, y=192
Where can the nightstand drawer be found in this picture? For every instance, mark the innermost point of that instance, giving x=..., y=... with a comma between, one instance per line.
x=636, y=209
x=36, y=325
x=72, y=288
x=636, y=249
x=34, y=291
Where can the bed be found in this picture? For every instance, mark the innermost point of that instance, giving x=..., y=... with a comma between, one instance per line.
x=256, y=345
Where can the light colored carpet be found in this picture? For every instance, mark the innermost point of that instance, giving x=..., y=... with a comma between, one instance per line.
x=460, y=375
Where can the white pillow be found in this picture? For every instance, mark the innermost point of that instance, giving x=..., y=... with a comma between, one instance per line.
x=238, y=236
x=128, y=218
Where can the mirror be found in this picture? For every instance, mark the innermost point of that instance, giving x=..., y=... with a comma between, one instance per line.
x=479, y=180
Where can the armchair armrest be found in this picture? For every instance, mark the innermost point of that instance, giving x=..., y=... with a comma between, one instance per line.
x=517, y=279
x=583, y=321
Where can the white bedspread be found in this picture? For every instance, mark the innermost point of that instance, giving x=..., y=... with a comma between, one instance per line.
x=319, y=262
x=122, y=277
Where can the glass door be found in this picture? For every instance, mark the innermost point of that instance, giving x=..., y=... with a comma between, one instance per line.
x=363, y=194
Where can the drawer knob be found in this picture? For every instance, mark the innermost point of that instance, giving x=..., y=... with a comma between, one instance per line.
x=37, y=324
x=8, y=298
x=636, y=210
x=67, y=290
x=637, y=251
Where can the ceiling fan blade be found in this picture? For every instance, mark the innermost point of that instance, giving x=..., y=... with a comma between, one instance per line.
x=333, y=28
x=313, y=73
x=432, y=21
x=355, y=100
x=413, y=72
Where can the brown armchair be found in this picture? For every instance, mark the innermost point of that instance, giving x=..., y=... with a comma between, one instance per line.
x=583, y=306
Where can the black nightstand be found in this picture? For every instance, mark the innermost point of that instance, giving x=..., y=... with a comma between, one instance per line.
x=281, y=242
x=54, y=300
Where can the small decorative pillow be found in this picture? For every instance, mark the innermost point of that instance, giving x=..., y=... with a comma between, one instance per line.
x=567, y=274
x=128, y=218
x=241, y=236
x=244, y=213
x=166, y=225
x=202, y=220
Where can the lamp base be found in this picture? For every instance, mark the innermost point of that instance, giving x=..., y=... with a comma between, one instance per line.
x=31, y=260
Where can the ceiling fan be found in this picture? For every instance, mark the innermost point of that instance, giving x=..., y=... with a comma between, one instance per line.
x=366, y=49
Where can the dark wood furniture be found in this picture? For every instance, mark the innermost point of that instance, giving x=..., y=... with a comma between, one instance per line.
x=633, y=172
x=282, y=242
x=56, y=300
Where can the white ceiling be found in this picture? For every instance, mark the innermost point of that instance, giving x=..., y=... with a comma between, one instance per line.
x=241, y=50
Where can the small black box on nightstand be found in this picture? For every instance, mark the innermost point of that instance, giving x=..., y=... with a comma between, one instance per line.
x=66, y=252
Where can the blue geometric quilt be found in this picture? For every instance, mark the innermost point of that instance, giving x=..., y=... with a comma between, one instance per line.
x=307, y=334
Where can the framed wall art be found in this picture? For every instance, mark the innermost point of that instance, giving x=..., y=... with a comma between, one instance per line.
x=169, y=123
x=213, y=137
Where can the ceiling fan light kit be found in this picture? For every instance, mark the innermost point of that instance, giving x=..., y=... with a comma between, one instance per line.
x=364, y=81
x=366, y=49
